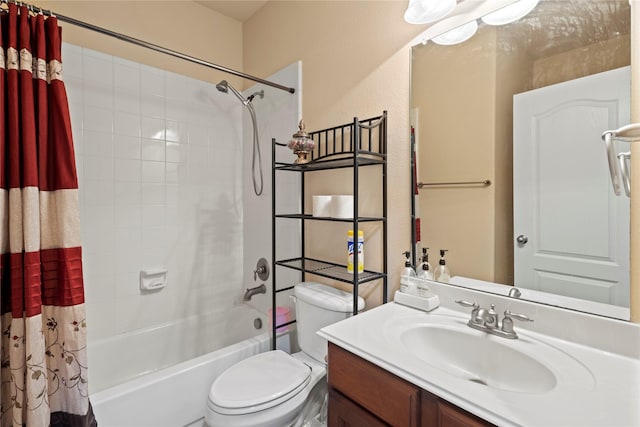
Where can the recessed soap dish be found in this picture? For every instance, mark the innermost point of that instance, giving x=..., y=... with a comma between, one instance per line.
x=151, y=280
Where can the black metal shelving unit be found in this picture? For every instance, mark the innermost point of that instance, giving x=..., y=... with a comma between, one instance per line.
x=362, y=143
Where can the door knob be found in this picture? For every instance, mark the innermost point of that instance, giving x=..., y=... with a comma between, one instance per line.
x=522, y=239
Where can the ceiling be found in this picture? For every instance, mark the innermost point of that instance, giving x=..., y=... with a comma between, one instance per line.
x=240, y=10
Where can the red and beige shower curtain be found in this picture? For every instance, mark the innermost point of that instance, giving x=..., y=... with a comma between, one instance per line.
x=43, y=354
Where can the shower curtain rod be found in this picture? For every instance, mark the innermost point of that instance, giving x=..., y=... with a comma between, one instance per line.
x=142, y=43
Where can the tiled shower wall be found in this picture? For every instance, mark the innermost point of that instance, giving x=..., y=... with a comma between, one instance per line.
x=160, y=159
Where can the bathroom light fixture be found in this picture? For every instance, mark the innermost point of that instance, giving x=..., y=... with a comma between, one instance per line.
x=457, y=35
x=510, y=13
x=426, y=11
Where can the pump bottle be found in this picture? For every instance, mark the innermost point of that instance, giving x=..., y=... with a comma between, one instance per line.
x=442, y=273
x=424, y=270
x=407, y=285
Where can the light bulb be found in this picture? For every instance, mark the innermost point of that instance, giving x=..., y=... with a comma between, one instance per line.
x=511, y=13
x=426, y=11
x=457, y=35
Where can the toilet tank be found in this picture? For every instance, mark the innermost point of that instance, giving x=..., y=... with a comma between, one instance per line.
x=317, y=306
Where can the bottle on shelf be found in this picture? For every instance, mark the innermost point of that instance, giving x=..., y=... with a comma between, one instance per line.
x=442, y=273
x=352, y=247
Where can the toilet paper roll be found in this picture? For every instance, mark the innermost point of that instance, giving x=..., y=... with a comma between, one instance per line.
x=342, y=206
x=322, y=206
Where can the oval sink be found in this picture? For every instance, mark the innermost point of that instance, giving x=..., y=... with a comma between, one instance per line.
x=478, y=357
x=529, y=364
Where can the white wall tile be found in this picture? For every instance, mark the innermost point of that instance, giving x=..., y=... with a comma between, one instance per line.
x=198, y=135
x=128, y=216
x=97, y=94
x=154, y=257
x=153, y=171
x=176, y=109
x=152, y=81
x=72, y=59
x=126, y=147
x=100, y=324
x=98, y=193
x=127, y=124
x=127, y=77
x=198, y=154
x=128, y=256
x=152, y=106
x=98, y=68
x=175, y=173
x=175, y=86
x=127, y=101
x=98, y=119
x=128, y=193
x=152, y=127
x=97, y=168
x=128, y=170
x=98, y=236
x=152, y=149
x=153, y=194
x=98, y=143
x=176, y=130
x=128, y=284
x=176, y=152
x=153, y=216
x=154, y=238
x=142, y=311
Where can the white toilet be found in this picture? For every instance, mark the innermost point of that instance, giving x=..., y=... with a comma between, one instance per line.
x=269, y=389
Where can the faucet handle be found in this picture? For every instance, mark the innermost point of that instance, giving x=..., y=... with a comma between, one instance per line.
x=476, y=317
x=467, y=304
x=521, y=317
x=507, y=323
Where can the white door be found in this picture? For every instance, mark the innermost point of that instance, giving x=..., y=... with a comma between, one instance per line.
x=576, y=230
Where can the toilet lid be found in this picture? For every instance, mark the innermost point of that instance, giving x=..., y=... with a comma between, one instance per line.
x=259, y=382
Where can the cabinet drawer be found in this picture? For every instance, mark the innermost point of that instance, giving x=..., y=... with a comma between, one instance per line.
x=390, y=398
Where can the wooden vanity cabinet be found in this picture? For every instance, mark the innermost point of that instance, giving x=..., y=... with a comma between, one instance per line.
x=362, y=394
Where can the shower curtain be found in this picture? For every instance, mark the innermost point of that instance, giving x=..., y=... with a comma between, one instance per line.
x=43, y=354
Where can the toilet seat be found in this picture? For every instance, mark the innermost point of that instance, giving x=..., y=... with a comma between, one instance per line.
x=259, y=382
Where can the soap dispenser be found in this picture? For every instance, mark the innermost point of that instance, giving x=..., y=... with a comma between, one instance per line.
x=407, y=285
x=425, y=271
x=442, y=273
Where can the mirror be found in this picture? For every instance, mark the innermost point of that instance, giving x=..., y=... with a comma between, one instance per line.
x=475, y=109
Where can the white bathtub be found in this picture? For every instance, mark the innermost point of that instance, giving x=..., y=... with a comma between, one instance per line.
x=173, y=396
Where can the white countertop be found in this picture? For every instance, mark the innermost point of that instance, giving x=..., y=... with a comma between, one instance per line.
x=610, y=398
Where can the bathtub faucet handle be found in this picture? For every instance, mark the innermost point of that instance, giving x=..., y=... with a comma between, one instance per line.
x=262, y=270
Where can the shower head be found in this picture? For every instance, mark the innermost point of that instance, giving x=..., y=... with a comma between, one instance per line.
x=225, y=87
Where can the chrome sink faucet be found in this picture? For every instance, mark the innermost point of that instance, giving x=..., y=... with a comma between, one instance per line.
x=488, y=320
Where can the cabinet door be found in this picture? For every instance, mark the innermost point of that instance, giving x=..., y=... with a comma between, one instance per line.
x=450, y=416
x=435, y=412
x=345, y=413
x=390, y=398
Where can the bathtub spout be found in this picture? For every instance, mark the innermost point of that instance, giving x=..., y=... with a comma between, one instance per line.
x=262, y=289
